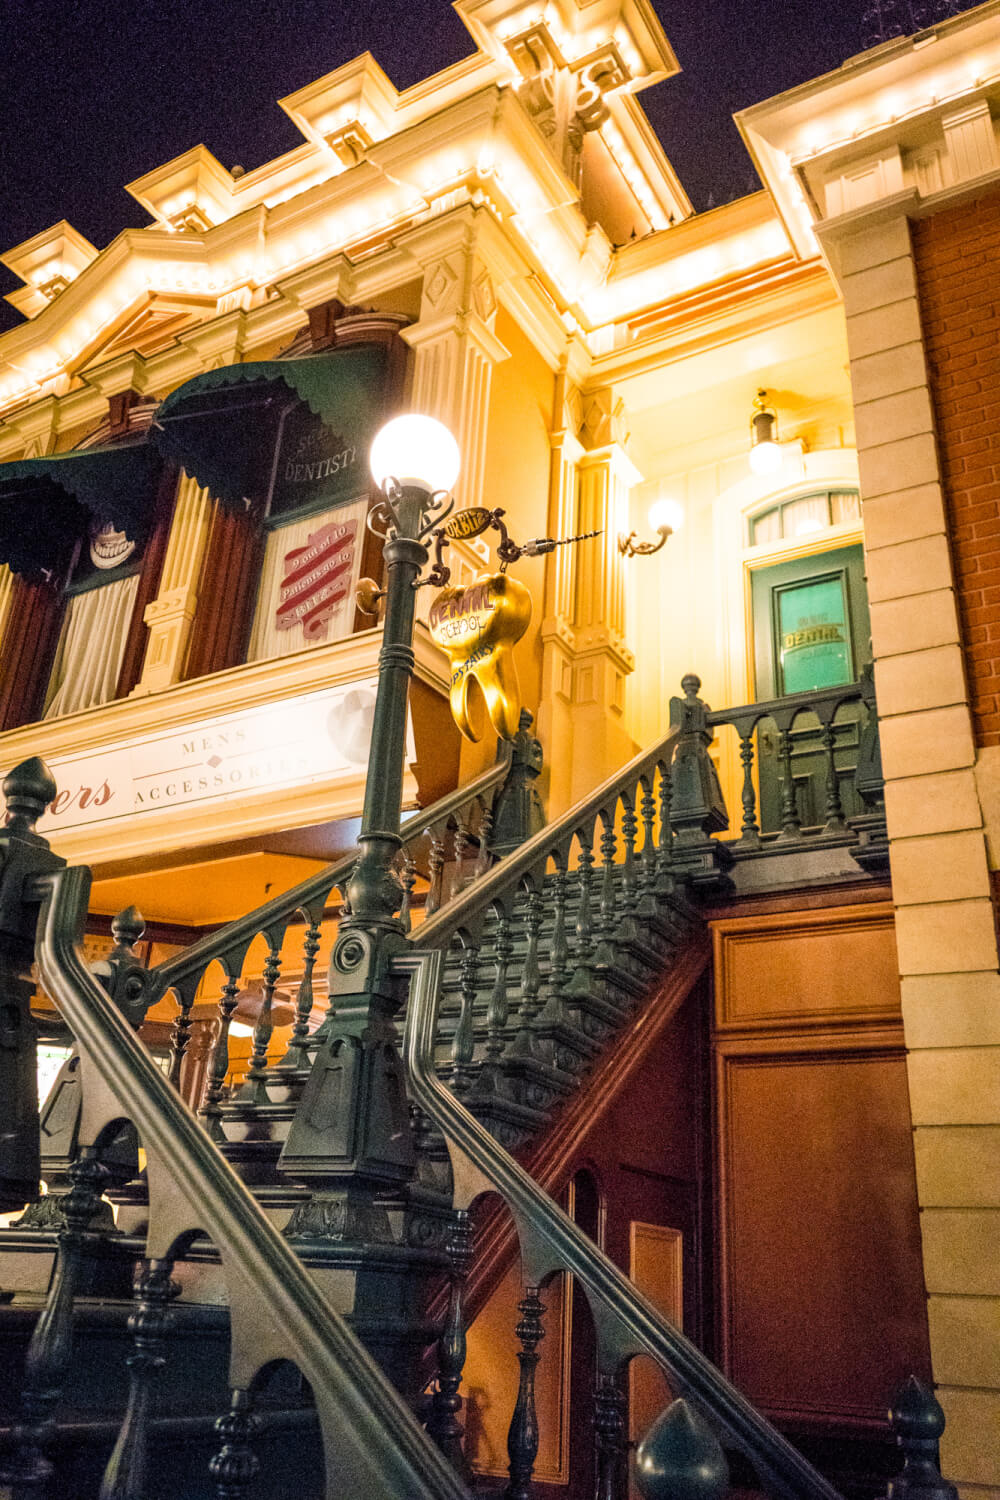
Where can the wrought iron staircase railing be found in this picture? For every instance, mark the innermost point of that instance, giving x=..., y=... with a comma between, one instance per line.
x=634, y=884
x=276, y=1311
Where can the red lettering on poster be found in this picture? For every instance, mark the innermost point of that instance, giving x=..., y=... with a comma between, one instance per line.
x=316, y=578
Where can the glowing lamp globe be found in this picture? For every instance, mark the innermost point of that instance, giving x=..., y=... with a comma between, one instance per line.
x=666, y=515
x=415, y=451
x=765, y=458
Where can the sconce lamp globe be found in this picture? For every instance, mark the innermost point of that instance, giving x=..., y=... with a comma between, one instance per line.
x=417, y=451
x=666, y=515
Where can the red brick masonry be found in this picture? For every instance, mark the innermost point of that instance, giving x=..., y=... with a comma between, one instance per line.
x=957, y=255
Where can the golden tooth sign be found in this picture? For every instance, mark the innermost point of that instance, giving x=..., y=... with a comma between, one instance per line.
x=468, y=523
x=477, y=628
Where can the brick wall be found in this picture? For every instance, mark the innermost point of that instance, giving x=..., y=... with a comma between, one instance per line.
x=957, y=255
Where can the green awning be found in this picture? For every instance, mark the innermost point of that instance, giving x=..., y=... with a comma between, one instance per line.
x=223, y=426
x=47, y=503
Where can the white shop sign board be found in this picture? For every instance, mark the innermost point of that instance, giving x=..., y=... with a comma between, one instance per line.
x=316, y=737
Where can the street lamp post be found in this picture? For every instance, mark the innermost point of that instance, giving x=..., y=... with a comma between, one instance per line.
x=350, y=1137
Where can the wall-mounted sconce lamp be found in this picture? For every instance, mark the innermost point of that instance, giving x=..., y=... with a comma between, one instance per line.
x=765, y=453
x=665, y=517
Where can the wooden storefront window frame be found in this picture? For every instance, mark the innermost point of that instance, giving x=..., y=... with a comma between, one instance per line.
x=38, y=608
x=234, y=555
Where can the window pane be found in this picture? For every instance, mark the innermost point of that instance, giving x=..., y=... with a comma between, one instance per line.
x=845, y=505
x=815, y=650
x=800, y=517
x=307, y=584
x=766, y=528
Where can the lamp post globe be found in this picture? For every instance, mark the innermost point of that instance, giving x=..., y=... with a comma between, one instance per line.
x=416, y=452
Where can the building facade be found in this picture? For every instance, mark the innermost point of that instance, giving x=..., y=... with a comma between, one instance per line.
x=184, y=419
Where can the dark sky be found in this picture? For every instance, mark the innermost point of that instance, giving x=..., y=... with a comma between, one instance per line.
x=96, y=92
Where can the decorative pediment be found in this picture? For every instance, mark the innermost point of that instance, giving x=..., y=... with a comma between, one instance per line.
x=47, y=264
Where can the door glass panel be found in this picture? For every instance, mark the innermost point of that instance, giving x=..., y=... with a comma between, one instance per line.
x=814, y=645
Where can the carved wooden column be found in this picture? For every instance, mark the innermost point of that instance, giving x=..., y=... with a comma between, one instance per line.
x=454, y=343
x=170, y=615
x=586, y=659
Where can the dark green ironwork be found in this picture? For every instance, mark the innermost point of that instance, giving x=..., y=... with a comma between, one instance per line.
x=277, y=1311
x=236, y=1466
x=127, y=1476
x=352, y=1131
x=518, y=813
x=522, y=1439
x=443, y=1423
x=610, y=1439
x=680, y=1458
x=917, y=1420
x=51, y=1346
x=24, y=854
x=697, y=807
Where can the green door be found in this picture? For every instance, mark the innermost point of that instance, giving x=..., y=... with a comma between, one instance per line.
x=811, y=631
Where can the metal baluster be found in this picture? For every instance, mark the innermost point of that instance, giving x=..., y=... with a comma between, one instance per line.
x=235, y=1467
x=463, y=1042
x=522, y=1439
x=435, y=867
x=834, y=807
x=610, y=1437
x=180, y=1035
x=462, y=842
x=127, y=1474
x=531, y=977
x=485, y=832
x=609, y=848
x=648, y=856
x=664, y=849
x=917, y=1420
x=791, y=827
x=750, y=832
x=680, y=1458
x=219, y=1066
x=297, y=1053
x=630, y=823
x=407, y=880
x=443, y=1426
x=489, y=1080
x=254, y=1091
x=584, y=954
x=51, y=1343
x=554, y=1012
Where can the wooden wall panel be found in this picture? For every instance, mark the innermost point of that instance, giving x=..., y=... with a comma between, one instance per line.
x=821, y=1249
x=822, y=1308
x=801, y=968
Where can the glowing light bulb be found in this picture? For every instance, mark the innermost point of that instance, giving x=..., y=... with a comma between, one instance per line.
x=415, y=450
x=765, y=458
x=666, y=515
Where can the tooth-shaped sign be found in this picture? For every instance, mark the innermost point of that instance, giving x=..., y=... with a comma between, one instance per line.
x=477, y=627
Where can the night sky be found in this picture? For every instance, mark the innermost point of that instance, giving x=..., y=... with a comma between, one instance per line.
x=96, y=92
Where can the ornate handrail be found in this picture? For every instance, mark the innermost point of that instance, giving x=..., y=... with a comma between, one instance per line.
x=626, y=1322
x=370, y=1439
x=194, y=960
x=554, y=841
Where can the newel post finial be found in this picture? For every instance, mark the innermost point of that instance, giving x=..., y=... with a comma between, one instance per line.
x=24, y=855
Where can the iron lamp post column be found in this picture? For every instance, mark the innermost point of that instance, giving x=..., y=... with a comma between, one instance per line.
x=350, y=1140
x=373, y=891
